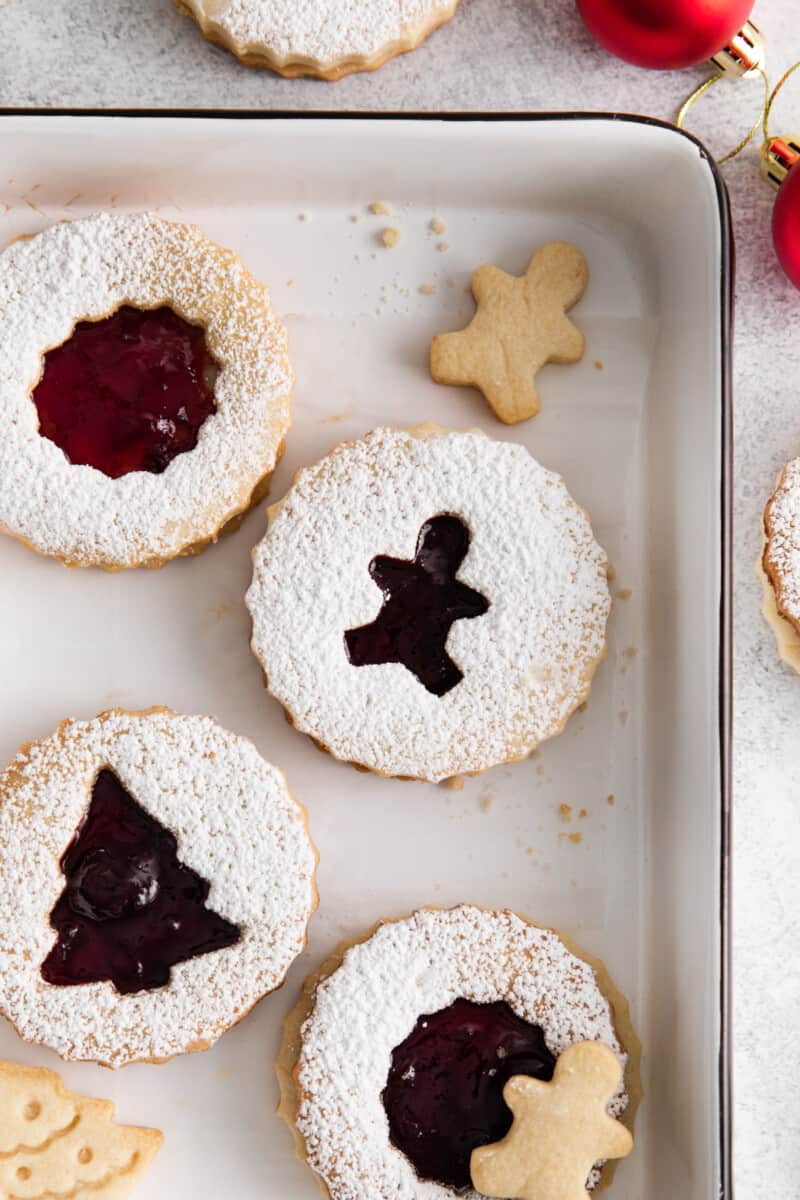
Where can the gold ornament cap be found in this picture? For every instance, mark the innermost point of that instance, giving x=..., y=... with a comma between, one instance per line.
x=745, y=54
x=778, y=156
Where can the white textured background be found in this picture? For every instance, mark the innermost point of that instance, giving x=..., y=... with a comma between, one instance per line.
x=535, y=54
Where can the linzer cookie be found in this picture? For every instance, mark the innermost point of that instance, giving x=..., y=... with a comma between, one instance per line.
x=326, y=38
x=56, y=1144
x=779, y=565
x=156, y=880
x=144, y=390
x=396, y=1058
x=428, y=604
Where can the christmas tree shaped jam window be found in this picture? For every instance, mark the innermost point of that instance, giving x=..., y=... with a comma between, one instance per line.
x=157, y=882
x=130, y=909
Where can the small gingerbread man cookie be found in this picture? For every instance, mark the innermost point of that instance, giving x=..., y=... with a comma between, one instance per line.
x=520, y=325
x=561, y=1129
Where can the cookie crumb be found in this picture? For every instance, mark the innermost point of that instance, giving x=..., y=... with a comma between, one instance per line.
x=390, y=237
x=355, y=217
x=630, y=652
x=290, y=283
x=624, y=593
x=379, y=208
x=611, y=799
x=427, y=289
x=218, y=611
x=598, y=366
x=455, y=783
x=335, y=418
x=565, y=812
x=487, y=799
x=437, y=226
x=575, y=838
x=443, y=247
x=611, y=573
x=583, y=813
x=536, y=754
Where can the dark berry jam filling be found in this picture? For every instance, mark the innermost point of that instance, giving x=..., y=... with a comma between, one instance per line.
x=421, y=600
x=444, y=1095
x=127, y=393
x=130, y=909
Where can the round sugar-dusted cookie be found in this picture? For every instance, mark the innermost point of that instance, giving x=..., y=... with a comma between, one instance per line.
x=779, y=564
x=144, y=390
x=156, y=880
x=395, y=1059
x=326, y=38
x=427, y=603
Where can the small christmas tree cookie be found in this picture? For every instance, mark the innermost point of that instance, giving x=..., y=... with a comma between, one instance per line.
x=54, y=1142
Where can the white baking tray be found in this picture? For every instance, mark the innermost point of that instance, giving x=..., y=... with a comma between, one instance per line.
x=640, y=431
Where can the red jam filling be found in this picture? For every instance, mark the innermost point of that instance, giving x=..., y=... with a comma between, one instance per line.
x=421, y=600
x=444, y=1095
x=130, y=909
x=128, y=393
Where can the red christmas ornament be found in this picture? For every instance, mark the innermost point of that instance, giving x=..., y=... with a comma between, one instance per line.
x=666, y=34
x=781, y=165
x=786, y=226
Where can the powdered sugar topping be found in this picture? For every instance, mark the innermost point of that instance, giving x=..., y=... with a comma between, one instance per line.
x=371, y=1003
x=326, y=32
x=236, y=825
x=87, y=269
x=527, y=663
x=782, y=550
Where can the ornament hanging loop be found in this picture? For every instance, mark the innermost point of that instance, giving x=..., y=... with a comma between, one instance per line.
x=706, y=86
x=745, y=54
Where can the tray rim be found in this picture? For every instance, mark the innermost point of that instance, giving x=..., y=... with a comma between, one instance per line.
x=726, y=285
